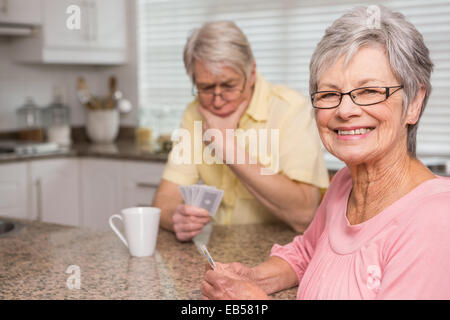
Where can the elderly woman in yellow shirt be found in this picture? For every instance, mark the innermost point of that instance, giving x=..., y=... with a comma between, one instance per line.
x=231, y=94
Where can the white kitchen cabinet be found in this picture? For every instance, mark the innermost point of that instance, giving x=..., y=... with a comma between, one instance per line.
x=140, y=181
x=110, y=24
x=100, y=38
x=21, y=12
x=76, y=191
x=14, y=190
x=108, y=186
x=55, y=30
x=55, y=191
x=101, y=191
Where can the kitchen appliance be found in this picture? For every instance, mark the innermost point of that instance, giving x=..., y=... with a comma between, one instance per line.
x=29, y=120
x=15, y=147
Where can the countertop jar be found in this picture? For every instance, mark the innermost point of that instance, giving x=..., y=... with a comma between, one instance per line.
x=29, y=118
x=57, y=122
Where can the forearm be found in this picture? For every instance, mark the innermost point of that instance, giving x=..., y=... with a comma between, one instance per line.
x=167, y=200
x=274, y=275
x=167, y=211
x=292, y=202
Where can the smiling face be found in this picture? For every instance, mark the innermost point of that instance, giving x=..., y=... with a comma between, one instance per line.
x=226, y=79
x=361, y=134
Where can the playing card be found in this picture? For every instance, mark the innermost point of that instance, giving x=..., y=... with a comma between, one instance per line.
x=209, y=198
x=203, y=196
x=183, y=192
x=189, y=194
x=195, y=190
x=208, y=256
x=186, y=194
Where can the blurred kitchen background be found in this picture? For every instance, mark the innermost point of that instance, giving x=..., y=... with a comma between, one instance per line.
x=95, y=88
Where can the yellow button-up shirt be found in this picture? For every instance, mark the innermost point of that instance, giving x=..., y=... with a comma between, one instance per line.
x=299, y=153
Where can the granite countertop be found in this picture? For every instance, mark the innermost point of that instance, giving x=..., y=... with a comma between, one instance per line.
x=123, y=150
x=34, y=260
x=130, y=150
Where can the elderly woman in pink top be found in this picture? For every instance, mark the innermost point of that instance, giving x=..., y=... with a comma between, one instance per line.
x=382, y=230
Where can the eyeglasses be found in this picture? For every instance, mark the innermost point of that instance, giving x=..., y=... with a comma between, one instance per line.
x=365, y=96
x=227, y=93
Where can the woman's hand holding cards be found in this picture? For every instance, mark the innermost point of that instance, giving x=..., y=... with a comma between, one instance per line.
x=231, y=281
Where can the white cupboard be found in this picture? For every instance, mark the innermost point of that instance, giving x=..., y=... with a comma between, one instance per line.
x=55, y=31
x=101, y=192
x=14, y=190
x=55, y=191
x=108, y=186
x=77, y=32
x=76, y=191
x=140, y=181
x=21, y=12
x=109, y=32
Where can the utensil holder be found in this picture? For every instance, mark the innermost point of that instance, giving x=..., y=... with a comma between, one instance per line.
x=102, y=126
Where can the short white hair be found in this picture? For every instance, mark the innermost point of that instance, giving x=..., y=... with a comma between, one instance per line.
x=218, y=44
x=405, y=48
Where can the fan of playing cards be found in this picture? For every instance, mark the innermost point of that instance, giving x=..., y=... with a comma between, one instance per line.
x=202, y=196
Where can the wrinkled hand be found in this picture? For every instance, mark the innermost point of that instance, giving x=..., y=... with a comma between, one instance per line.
x=188, y=221
x=213, y=121
x=231, y=282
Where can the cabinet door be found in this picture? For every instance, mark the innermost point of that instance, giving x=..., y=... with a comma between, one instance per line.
x=99, y=39
x=110, y=24
x=100, y=185
x=103, y=24
x=14, y=190
x=20, y=11
x=55, y=191
x=140, y=181
x=56, y=32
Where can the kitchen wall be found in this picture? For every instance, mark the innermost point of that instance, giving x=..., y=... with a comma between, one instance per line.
x=17, y=81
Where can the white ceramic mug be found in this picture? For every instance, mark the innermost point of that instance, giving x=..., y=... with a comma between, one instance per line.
x=141, y=229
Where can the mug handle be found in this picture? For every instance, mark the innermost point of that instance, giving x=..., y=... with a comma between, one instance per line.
x=119, y=234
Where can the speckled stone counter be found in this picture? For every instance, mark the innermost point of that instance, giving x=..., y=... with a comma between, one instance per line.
x=130, y=150
x=123, y=150
x=34, y=260
x=126, y=150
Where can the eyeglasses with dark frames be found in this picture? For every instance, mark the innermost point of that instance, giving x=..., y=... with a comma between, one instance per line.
x=365, y=96
x=226, y=93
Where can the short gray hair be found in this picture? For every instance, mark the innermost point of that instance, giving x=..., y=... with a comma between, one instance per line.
x=408, y=55
x=219, y=43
